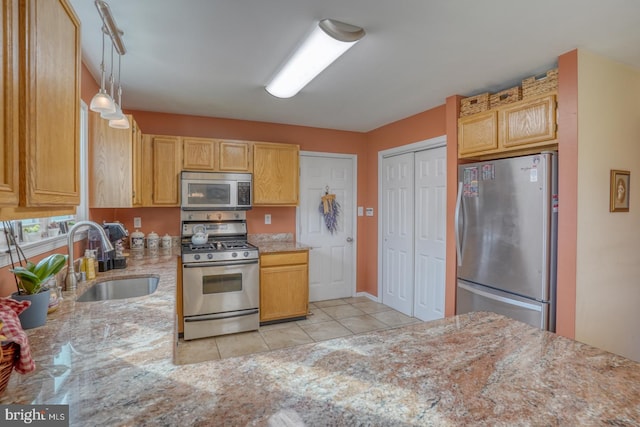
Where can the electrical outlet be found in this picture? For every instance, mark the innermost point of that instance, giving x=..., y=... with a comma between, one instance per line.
x=137, y=222
x=267, y=218
x=369, y=211
x=360, y=211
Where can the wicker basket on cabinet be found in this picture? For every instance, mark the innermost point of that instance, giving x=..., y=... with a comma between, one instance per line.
x=538, y=85
x=474, y=104
x=506, y=96
x=8, y=355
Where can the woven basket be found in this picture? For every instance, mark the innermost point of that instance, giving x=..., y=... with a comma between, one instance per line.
x=506, y=96
x=538, y=85
x=474, y=104
x=8, y=354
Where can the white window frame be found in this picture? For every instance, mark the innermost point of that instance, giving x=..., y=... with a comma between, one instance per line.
x=82, y=211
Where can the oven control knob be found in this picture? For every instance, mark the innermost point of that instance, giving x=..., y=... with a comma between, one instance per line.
x=196, y=256
x=246, y=254
x=234, y=255
x=210, y=256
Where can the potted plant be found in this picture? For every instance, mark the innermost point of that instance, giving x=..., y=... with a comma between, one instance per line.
x=31, y=286
x=31, y=233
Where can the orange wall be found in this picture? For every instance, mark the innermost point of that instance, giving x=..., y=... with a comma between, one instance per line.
x=567, y=189
x=451, y=272
x=422, y=126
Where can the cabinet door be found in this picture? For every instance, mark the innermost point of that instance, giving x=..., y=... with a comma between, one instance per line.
x=198, y=154
x=50, y=86
x=528, y=122
x=137, y=164
x=477, y=133
x=166, y=161
x=275, y=174
x=234, y=156
x=9, y=105
x=284, y=292
x=110, y=164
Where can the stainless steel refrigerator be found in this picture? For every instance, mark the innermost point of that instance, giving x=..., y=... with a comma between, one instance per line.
x=506, y=238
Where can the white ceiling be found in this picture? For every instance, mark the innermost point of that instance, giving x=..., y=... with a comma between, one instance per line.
x=213, y=57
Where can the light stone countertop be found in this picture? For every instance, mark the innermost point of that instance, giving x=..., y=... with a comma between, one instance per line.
x=273, y=243
x=111, y=362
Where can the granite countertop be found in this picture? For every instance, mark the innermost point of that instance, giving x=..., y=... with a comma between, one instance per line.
x=272, y=243
x=111, y=362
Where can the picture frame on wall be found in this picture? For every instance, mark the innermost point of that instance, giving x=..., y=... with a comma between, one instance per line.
x=619, y=191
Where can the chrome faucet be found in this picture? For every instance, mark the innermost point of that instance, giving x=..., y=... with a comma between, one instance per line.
x=71, y=281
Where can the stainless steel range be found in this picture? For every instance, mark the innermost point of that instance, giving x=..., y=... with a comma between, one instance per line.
x=220, y=274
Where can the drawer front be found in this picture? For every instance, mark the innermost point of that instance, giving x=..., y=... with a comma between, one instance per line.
x=284, y=258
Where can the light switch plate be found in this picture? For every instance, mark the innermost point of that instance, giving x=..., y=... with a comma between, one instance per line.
x=137, y=222
x=369, y=211
x=360, y=211
x=267, y=218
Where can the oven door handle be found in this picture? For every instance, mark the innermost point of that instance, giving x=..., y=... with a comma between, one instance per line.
x=219, y=264
x=230, y=315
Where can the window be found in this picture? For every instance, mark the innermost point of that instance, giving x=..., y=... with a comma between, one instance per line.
x=39, y=235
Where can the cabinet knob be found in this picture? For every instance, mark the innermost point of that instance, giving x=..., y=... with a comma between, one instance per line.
x=349, y=239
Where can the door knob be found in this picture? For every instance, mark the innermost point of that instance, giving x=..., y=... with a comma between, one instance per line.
x=349, y=239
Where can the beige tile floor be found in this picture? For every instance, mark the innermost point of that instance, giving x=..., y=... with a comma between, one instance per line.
x=328, y=319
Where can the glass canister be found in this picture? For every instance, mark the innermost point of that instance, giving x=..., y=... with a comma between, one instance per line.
x=137, y=240
x=153, y=240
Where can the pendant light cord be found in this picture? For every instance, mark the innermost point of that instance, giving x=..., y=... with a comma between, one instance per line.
x=102, y=64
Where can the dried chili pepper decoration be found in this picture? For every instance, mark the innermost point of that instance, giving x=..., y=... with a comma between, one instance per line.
x=330, y=209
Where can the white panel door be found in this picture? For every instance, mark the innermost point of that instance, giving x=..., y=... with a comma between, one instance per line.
x=331, y=261
x=397, y=233
x=430, y=223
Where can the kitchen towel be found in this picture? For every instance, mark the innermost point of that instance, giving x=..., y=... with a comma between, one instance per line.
x=12, y=329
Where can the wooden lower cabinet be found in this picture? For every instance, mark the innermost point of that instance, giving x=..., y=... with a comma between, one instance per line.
x=284, y=286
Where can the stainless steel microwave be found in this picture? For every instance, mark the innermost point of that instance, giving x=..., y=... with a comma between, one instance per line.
x=215, y=191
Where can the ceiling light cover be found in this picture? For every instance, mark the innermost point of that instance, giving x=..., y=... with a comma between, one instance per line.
x=325, y=44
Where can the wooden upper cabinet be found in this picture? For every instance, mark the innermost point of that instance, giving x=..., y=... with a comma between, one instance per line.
x=529, y=122
x=138, y=165
x=50, y=95
x=198, y=153
x=216, y=155
x=113, y=178
x=519, y=128
x=9, y=105
x=275, y=174
x=478, y=133
x=234, y=156
x=162, y=156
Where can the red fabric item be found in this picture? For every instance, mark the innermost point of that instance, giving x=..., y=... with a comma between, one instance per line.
x=12, y=329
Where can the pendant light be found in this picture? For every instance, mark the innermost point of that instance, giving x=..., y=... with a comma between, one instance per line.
x=101, y=101
x=121, y=122
x=117, y=113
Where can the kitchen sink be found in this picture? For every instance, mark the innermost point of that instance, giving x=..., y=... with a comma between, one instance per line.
x=120, y=289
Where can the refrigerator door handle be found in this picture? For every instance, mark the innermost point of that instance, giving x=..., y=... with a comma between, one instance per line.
x=500, y=298
x=457, y=224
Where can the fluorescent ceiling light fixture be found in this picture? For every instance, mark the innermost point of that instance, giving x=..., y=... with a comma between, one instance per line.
x=325, y=44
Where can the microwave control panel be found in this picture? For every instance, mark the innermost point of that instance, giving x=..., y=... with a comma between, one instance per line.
x=244, y=193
